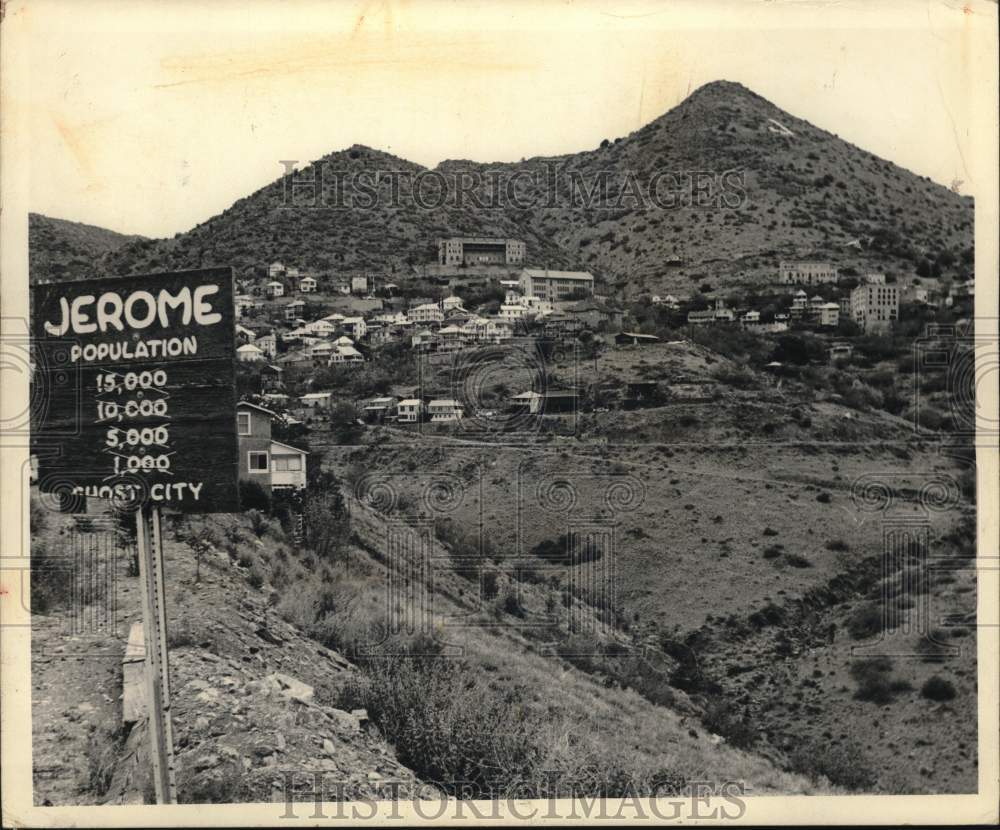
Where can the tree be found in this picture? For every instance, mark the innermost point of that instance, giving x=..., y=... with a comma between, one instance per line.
x=344, y=424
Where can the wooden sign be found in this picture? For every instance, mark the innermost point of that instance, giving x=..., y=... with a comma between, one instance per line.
x=135, y=390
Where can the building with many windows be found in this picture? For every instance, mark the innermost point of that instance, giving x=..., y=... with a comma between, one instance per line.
x=555, y=285
x=480, y=250
x=875, y=307
x=806, y=273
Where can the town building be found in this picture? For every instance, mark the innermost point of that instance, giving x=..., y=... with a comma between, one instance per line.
x=480, y=250
x=427, y=313
x=875, y=307
x=445, y=410
x=634, y=338
x=356, y=326
x=307, y=285
x=410, y=411
x=274, y=270
x=806, y=273
x=268, y=344
x=275, y=289
x=378, y=409
x=346, y=356
x=271, y=378
x=449, y=303
x=249, y=353
x=294, y=310
x=271, y=464
x=828, y=314
x=874, y=278
x=359, y=285
x=555, y=285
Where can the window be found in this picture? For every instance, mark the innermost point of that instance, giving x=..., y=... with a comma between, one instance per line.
x=287, y=463
x=243, y=422
x=257, y=462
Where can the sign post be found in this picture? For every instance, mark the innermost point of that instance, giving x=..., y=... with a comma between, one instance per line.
x=136, y=381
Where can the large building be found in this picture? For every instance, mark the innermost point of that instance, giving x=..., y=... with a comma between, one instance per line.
x=480, y=250
x=555, y=285
x=806, y=273
x=875, y=307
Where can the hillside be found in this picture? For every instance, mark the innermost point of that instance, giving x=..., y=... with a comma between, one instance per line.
x=798, y=191
x=59, y=249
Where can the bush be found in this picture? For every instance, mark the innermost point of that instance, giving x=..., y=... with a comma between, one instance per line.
x=937, y=688
x=254, y=497
x=447, y=724
x=327, y=524
x=258, y=522
x=843, y=766
x=875, y=684
x=737, y=728
x=865, y=622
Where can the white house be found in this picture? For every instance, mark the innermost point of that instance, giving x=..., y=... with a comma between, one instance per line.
x=356, y=326
x=346, y=355
x=307, y=285
x=275, y=269
x=294, y=310
x=268, y=344
x=335, y=318
x=321, y=350
x=427, y=313
x=317, y=400
x=249, y=353
x=275, y=289
x=246, y=334
x=410, y=411
x=452, y=302
x=445, y=410
x=423, y=340
x=829, y=314
x=321, y=328
x=288, y=466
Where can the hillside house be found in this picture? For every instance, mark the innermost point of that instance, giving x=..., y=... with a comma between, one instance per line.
x=307, y=285
x=275, y=270
x=561, y=400
x=274, y=289
x=480, y=250
x=271, y=464
x=359, y=285
x=268, y=344
x=593, y=314
x=346, y=356
x=410, y=411
x=558, y=325
x=445, y=410
x=245, y=335
x=529, y=401
x=840, y=351
x=249, y=353
x=424, y=341
x=271, y=378
x=321, y=328
x=320, y=352
x=828, y=314
x=378, y=410
x=356, y=326
x=316, y=400
x=874, y=278
x=243, y=303
x=427, y=313
x=451, y=303
x=294, y=310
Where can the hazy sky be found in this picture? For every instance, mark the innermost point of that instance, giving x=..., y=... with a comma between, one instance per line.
x=149, y=118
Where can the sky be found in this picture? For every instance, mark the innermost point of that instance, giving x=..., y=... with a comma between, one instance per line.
x=150, y=118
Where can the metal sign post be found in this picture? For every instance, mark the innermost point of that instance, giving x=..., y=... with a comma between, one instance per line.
x=157, y=671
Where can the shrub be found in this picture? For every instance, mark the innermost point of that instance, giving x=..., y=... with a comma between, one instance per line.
x=254, y=497
x=51, y=580
x=823, y=498
x=837, y=545
x=773, y=551
x=722, y=718
x=327, y=524
x=843, y=766
x=937, y=688
x=258, y=522
x=447, y=724
x=873, y=678
x=865, y=622
x=797, y=560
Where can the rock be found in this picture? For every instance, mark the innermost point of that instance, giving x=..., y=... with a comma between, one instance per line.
x=328, y=747
x=290, y=687
x=206, y=762
x=361, y=715
x=279, y=741
x=269, y=637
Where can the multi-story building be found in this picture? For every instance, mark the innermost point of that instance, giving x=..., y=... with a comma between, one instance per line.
x=356, y=326
x=427, y=313
x=410, y=411
x=270, y=463
x=275, y=289
x=875, y=278
x=445, y=410
x=828, y=314
x=480, y=250
x=875, y=307
x=555, y=285
x=806, y=273
x=307, y=285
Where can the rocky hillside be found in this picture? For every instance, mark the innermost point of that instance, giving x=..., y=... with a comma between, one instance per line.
x=59, y=249
x=738, y=183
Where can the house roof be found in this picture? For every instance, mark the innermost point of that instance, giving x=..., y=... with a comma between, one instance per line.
x=411, y=402
x=445, y=402
x=349, y=351
x=526, y=395
x=287, y=447
x=545, y=273
x=247, y=348
x=255, y=406
x=315, y=395
x=640, y=336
